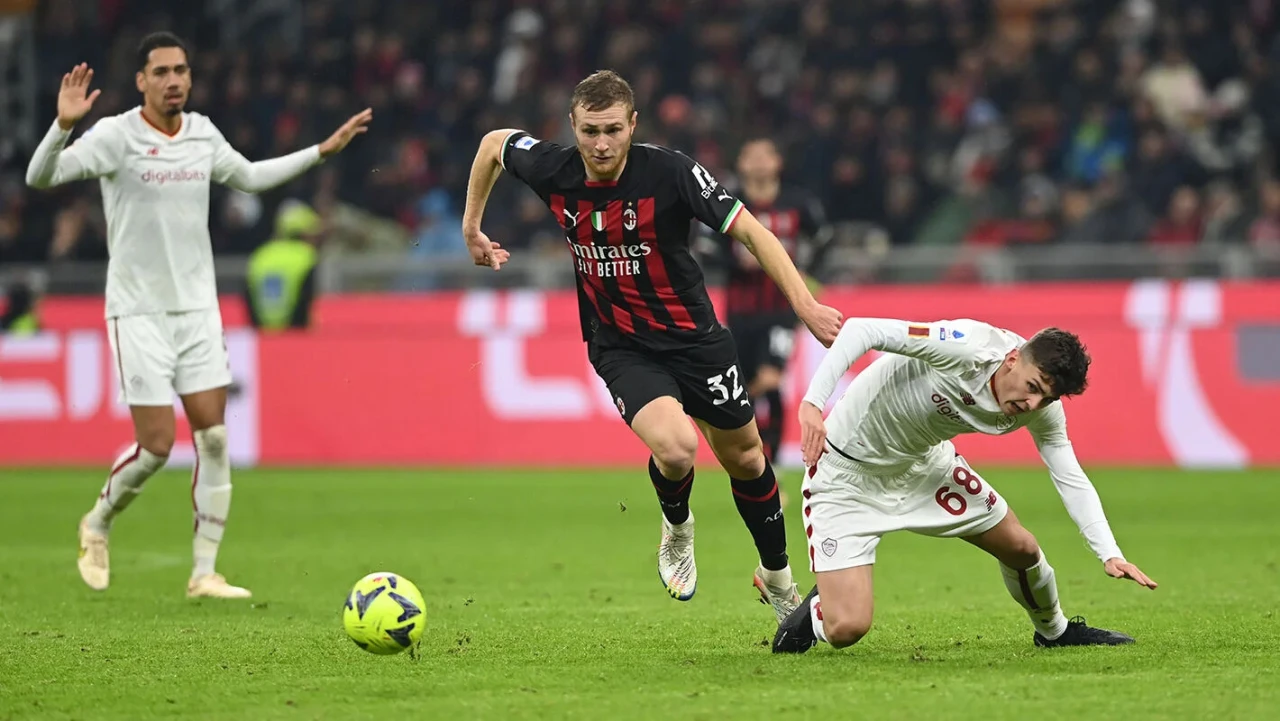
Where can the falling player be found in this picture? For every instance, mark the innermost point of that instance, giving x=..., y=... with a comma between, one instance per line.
x=155, y=163
x=884, y=462
x=756, y=311
x=650, y=329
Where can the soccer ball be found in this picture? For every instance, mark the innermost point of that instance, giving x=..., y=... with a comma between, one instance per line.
x=384, y=613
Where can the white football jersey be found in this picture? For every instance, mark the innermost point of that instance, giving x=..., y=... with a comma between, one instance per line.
x=933, y=384
x=155, y=195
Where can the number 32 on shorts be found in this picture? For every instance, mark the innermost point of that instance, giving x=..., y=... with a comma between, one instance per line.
x=717, y=384
x=951, y=500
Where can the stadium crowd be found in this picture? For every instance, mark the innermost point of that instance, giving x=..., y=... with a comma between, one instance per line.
x=938, y=121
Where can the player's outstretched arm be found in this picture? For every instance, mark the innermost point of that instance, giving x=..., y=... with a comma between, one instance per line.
x=484, y=173
x=234, y=170
x=948, y=345
x=93, y=156
x=1079, y=495
x=823, y=321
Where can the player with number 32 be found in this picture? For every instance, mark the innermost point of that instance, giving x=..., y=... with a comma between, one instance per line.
x=651, y=331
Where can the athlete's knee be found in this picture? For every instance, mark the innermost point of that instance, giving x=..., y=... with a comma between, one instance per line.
x=674, y=449
x=157, y=441
x=211, y=442
x=743, y=457
x=1023, y=551
x=843, y=631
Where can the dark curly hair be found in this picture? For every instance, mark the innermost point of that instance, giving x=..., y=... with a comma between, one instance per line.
x=1062, y=358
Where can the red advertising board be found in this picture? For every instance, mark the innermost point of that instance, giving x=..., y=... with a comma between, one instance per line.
x=1184, y=373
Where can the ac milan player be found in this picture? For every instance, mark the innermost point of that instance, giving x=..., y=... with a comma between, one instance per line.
x=155, y=163
x=650, y=329
x=756, y=311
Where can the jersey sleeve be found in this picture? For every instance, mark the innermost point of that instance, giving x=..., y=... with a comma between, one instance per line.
x=529, y=159
x=1049, y=430
x=233, y=170
x=97, y=153
x=949, y=345
x=708, y=200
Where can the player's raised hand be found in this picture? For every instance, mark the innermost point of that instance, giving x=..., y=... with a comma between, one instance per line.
x=1117, y=568
x=813, y=433
x=74, y=98
x=485, y=251
x=355, y=125
x=824, y=322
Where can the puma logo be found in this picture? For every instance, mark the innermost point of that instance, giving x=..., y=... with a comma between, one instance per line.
x=724, y=195
x=573, y=217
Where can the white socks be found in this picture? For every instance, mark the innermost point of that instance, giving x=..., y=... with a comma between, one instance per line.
x=129, y=472
x=1036, y=590
x=815, y=615
x=210, y=496
x=779, y=580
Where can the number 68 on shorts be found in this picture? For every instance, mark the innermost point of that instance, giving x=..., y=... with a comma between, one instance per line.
x=847, y=511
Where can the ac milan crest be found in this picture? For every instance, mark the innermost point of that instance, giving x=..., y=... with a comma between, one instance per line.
x=629, y=219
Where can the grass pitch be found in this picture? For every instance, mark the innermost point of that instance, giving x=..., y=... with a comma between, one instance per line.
x=544, y=602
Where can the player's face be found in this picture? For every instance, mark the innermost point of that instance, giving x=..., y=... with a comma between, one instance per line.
x=759, y=161
x=166, y=81
x=604, y=137
x=1023, y=387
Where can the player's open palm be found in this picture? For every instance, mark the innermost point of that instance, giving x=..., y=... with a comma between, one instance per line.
x=825, y=323
x=813, y=433
x=485, y=251
x=1117, y=568
x=355, y=125
x=75, y=100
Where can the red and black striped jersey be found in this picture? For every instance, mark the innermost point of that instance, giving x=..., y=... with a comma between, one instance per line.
x=630, y=238
x=797, y=219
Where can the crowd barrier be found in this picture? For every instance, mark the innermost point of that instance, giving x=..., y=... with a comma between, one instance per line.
x=1185, y=373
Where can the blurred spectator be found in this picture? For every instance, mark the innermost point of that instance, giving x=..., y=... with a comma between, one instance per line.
x=929, y=121
x=1264, y=232
x=1183, y=223
x=1097, y=146
x=438, y=236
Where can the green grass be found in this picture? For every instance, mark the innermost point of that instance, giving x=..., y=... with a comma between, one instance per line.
x=543, y=602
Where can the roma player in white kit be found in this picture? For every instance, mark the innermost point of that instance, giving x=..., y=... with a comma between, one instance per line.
x=883, y=461
x=155, y=164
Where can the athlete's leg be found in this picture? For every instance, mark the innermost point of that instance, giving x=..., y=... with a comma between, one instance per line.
x=203, y=374
x=843, y=533
x=673, y=445
x=765, y=386
x=648, y=399
x=1030, y=581
x=144, y=367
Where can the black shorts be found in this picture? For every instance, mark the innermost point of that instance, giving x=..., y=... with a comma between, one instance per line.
x=705, y=377
x=763, y=340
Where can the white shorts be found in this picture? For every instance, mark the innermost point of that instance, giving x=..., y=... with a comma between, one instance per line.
x=848, y=506
x=157, y=354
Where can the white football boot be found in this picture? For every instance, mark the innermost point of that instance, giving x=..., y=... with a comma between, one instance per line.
x=675, y=559
x=213, y=585
x=94, y=562
x=778, y=590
